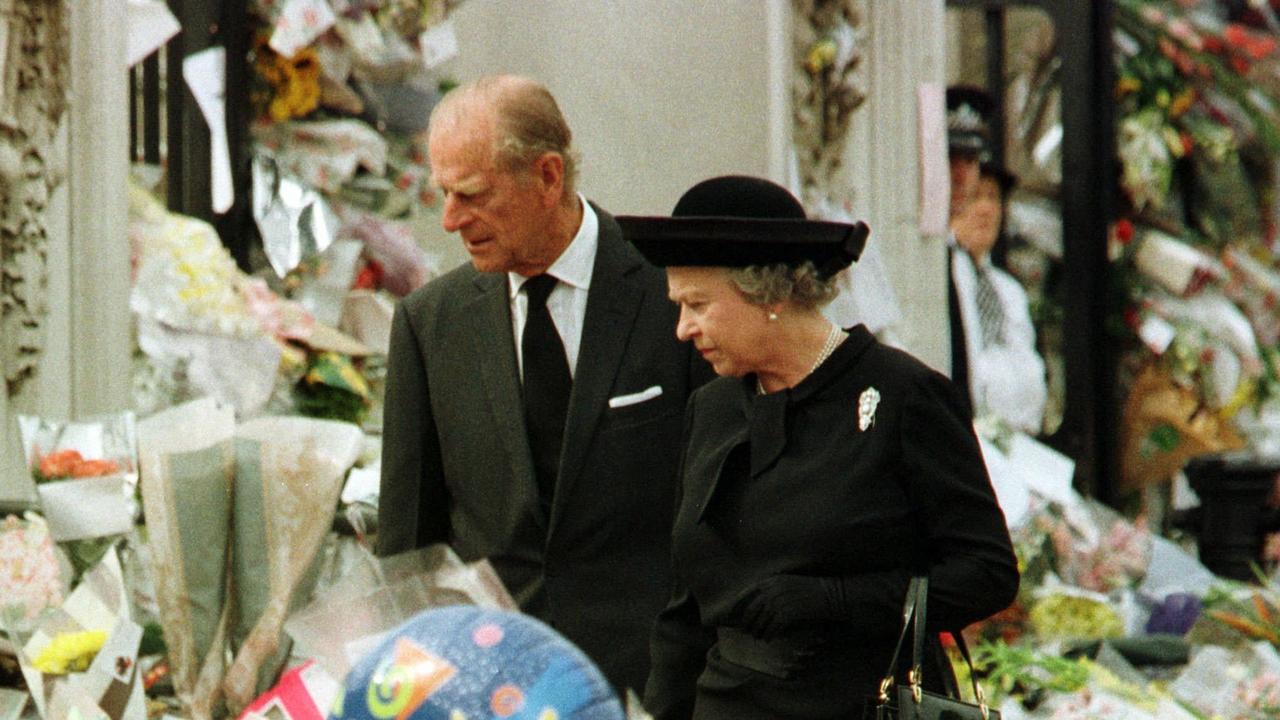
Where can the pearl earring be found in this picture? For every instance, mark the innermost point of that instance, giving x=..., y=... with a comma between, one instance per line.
x=773, y=316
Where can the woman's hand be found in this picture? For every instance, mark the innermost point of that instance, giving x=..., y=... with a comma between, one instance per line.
x=782, y=603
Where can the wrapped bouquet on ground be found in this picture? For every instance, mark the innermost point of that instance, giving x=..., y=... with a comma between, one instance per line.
x=86, y=477
x=83, y=655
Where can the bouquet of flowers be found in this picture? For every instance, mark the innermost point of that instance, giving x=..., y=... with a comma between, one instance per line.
x=82, y=656
x=236, y=516
x=86, y=477
x=30, y=580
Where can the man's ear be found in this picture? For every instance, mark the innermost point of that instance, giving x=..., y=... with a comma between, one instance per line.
x=548, y=171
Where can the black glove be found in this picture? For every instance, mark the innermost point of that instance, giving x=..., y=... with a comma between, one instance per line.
x=784, y=602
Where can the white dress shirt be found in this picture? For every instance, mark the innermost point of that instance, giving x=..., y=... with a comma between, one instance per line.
x=567, y=302
x=1006, y=379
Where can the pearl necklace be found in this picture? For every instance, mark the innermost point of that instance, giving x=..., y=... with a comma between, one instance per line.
x=834, y=337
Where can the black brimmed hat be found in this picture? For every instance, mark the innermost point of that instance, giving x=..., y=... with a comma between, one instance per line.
x=736, y=221
x=968, y=119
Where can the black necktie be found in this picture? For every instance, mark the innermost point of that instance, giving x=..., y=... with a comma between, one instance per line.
x=546, y=386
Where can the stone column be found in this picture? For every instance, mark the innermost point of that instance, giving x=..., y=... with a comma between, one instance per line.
x=64, y=325
x=905, y=47
x=33, y=81
x=98, y=169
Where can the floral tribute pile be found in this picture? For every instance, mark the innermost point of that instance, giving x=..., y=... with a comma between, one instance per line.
x=1193, y=250
x=341, y=92
x=1199, y=140
x=1113, y=621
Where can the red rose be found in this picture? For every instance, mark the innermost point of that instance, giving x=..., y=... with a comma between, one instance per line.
x=1124, y=231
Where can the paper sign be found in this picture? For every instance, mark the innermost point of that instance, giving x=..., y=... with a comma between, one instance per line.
x=1047, y=471
x=151, y=24
x=1169, y=261
x=362, y=483
x=205, y=73
x=112, y=679
x=1171, y=570
x=1012, y=492
x=438, y=44
x=1157, y=333
x=299, y=23
x=935, y=175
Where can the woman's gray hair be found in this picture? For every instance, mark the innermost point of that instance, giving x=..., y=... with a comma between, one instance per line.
x=771, y=284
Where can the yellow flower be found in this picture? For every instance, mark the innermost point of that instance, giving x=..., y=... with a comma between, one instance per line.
x=355, y=380
x=70, y=652
x=279, y=109
x=1128, y=84
x=820, y=56
x=1173, y=141
x=1182, y=102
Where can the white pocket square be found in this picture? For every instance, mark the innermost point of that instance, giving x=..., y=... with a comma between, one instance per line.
x=635, y=398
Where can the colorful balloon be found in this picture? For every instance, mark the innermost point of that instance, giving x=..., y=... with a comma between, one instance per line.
x=469, y=663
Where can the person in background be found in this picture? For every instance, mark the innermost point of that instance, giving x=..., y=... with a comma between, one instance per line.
x=968, y=113
x=1006, y=373
x=534, y=396
x=967, y=136
x=821, y=472
x=993, y=348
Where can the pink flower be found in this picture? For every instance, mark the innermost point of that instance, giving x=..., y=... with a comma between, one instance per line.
x=1182, y=30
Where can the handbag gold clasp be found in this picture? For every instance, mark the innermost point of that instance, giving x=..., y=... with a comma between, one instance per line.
x=913, y=679
x=885, y=684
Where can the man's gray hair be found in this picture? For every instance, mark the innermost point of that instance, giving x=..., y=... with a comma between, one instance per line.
x=776, y=283
x=528, y=122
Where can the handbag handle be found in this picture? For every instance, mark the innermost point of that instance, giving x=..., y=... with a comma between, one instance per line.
x=908, y=614
x=913, y=616
x=973, y=676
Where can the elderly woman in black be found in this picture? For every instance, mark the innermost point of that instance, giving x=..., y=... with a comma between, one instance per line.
x=820, y=473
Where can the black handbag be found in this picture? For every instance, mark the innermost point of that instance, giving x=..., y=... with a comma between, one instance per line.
x=910, y=701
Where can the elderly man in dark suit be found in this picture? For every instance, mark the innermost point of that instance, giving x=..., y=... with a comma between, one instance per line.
x=534, y=397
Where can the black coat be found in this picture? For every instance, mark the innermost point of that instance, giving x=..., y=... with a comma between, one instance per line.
x=456, y=465
x=795, y=483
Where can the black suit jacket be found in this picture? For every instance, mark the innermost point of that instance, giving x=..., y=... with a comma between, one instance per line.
x=457, y=468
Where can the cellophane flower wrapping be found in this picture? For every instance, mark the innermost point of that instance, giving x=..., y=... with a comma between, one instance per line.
x=288, y=477
x=86, y=476
x=203, y=327
x=1103, y=552
x=1165, y=424
x=12, y=703
x=1239, y=684
x=30, y=579
x=187, y=457
x=1254, y=285
x=376, y=595
x=83, y=654
x=324, y=154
